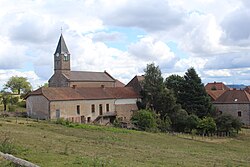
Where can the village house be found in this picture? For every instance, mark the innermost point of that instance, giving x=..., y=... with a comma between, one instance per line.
x=81, y=96
x=236, y=103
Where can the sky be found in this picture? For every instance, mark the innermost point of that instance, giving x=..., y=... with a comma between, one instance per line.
x=123, y=36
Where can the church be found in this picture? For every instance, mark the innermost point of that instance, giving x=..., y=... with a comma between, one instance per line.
x=81, y=96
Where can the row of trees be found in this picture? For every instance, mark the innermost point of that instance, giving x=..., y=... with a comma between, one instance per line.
x=15, y=88
x=179, y=104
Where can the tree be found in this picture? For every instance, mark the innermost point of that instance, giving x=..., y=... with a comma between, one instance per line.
x=179, y=119
x=155, y=96
x=227, y=123
x=5, y=98
x=193, y=96
x=207, y=125
x=19, y=84
x=192, y=122
x=144, y=120
x=175, y=83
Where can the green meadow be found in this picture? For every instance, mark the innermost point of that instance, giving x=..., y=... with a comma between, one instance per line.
x=52, y=145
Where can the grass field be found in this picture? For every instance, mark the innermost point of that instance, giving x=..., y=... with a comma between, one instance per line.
x=51, y=145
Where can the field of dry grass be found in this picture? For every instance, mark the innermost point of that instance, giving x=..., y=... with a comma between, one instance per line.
x=48, y=144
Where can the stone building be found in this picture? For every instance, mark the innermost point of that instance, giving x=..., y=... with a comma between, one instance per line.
x=64, y=77
x=236, y=103
x=81, y=96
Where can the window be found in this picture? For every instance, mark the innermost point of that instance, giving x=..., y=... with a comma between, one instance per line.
x=58, y=114
x=107, y=107
x=100, y=109
x=92, y=108
x=239, y=113
x=89, y=119
x=78, y=109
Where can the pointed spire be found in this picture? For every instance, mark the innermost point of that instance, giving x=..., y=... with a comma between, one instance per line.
x=61, y=46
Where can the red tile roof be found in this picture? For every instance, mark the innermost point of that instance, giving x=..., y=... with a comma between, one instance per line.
x=119, y=83
x=67, y=93
x=215, y=94
x=217, y=86
x=234, y=96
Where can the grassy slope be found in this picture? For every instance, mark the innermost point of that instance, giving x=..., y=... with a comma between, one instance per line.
x=55, y=145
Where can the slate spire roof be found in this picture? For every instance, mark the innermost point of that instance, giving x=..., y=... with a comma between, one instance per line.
x=61, y=46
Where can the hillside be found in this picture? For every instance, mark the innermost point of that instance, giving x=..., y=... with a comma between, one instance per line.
x=52, y=145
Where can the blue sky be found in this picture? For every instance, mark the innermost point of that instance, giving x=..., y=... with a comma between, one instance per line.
x=123, y=36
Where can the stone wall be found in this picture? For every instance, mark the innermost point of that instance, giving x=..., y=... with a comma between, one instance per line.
x=37, y=107
x=58, y=80
x=233, y=109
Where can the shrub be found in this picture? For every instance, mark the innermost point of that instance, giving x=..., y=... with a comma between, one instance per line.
x=227, y=123
x=179, y=120
x=14, y=100
x=206, y=125
x=117, y=123
x=191, y=123
x=12, y=108
x=22, y=104
x=144, y=120
x=164, y=125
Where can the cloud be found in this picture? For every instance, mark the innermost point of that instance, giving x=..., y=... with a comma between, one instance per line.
x=229, y=61
x=236, y=27
x=145, y=14
x=106, y=37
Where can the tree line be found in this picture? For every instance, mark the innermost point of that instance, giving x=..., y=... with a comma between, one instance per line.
x=180, y=104
x=14, y=90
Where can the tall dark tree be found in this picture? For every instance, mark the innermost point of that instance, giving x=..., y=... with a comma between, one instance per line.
x=175, y=83
x=18, y=84
x=155, y=95
x=193, y=96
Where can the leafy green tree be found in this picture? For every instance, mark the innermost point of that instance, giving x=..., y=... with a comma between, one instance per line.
x=155, y=96
x=5, y=98
x=175, y=83
x=144, y=120
x=227, y=123
x=164, y=125
x=179, y=119
x=193, y=96
x=18, y=84
x=207, y=125
x=192, y=122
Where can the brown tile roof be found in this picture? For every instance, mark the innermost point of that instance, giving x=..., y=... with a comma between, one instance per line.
x=214, y=94
x=136, y=83
x=234, y=96
x=217, y=85
x=119, y=83
x=89, y=76
x=67, y=93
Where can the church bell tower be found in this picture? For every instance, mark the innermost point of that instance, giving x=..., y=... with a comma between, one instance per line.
x=61, y=57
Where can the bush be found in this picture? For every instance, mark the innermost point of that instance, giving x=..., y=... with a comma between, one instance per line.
x=179, y=120
x=144, y=120
x=206, y=125
x=192, y=123
x=117, y=123
x=227, y=123
x=12, y=108
x=164, y=125
x=14, y=100
x=22, y=104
